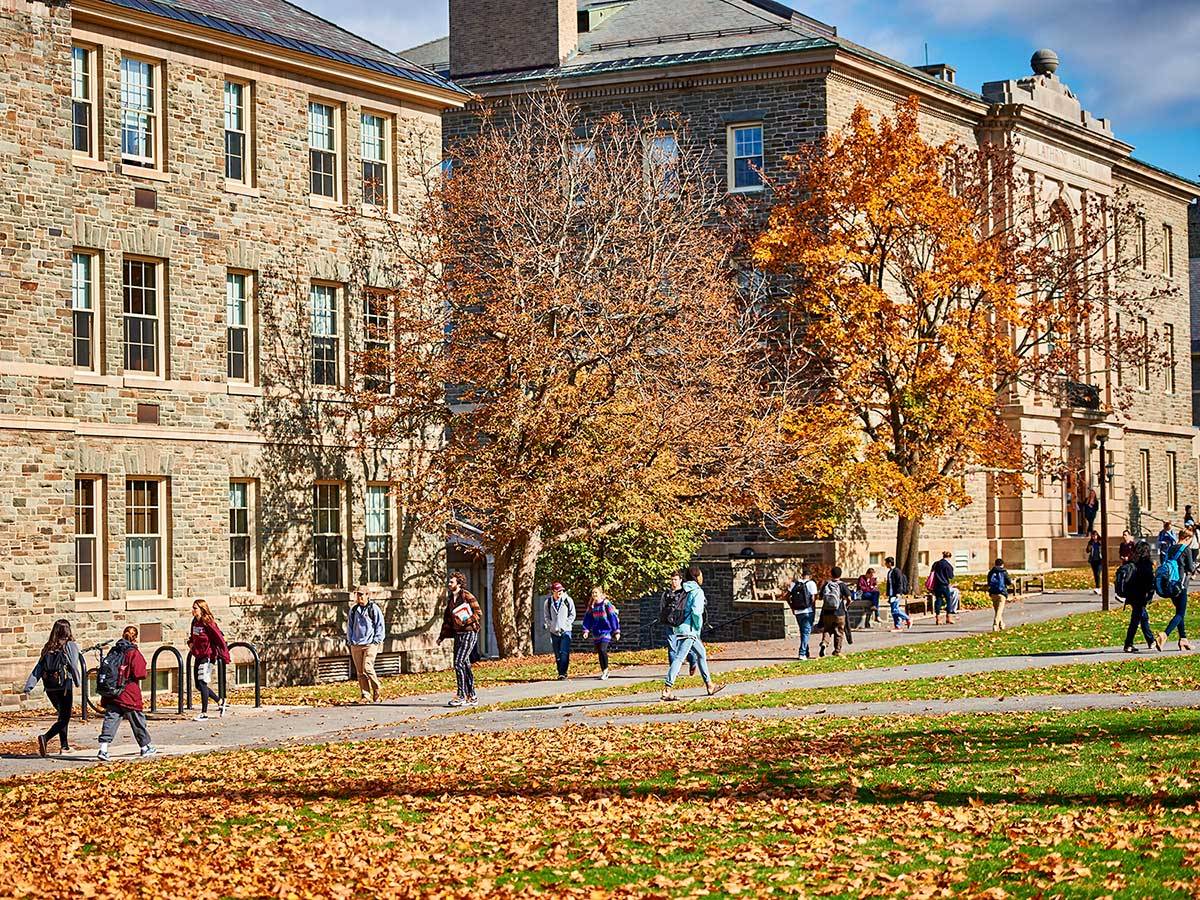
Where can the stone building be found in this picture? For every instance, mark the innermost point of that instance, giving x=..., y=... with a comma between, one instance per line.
x=1194, y=274
x=158, y=160
x=753, y=79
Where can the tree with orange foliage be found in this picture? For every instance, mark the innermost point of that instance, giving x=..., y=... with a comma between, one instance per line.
x=933, y=291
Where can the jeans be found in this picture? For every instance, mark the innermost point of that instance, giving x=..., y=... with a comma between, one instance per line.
x=685, y=647
x=1096, y=572
x=62, y=702
x=562, y=651
x=872, y=599
x=1138, y=615
x=898, y=615
x=202, y=684
x=673, y=641
x=364, y=664
x=464, y=677
x=1180, y=613
x=941, y=599
x=804, y=619
x=136, y=719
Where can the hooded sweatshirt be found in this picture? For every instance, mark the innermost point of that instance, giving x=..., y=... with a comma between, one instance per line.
x=71, y=649
x=135, y=670
x=693, y=622
x=559, y=615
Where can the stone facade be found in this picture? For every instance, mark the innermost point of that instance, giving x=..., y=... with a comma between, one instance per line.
x=487, y=37
x=1194, y=273
x=187, y=427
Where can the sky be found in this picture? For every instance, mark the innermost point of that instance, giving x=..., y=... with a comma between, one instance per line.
x=1135, y=62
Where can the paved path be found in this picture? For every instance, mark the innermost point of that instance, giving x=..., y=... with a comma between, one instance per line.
x=423, y=715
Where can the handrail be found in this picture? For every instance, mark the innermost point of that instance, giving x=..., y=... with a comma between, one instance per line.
x=154, y=681
x=257, y=671
x=83, y=687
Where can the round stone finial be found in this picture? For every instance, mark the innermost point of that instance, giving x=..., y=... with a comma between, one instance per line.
x=1044, y=62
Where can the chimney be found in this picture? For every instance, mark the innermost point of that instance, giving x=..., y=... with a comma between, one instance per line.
x=940, y=71
x=488, y=36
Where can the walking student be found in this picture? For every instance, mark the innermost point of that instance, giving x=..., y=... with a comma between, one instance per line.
x=1091, y=507
x=1166, y=540
x=365, y=631
x=1139, y=591
x=868, y=588
x=801, y=598
x=603, y=625
x=998, y=584
x=834, y=597
x=58, y=671
x=558, y=615
x=688, y=634
x=940, y=576
x=675, y=600
x=461, y=623
x=1095, y=558
x=1128, y=545
x=121, y=695
x=1186, y=560
x=897, y=590
x=207, y=645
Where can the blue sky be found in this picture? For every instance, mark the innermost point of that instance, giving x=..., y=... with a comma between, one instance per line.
x=1136, y=62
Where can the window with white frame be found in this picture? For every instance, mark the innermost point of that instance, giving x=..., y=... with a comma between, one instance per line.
x=327, y=534
x=326, y=343
x=1169, y=337
x=745, y=157
x=141, y=102
x=377, y=555
x=145, y=535
x=237, y=131
x=141, y=290
x=85, y=322
x=322, y=149
x=88, y=527
x=377, y=342
x=1168, y=251
x=240, y=557
x=375, y=137
x=239, y=350
x=83, y=100
x=1172, y=480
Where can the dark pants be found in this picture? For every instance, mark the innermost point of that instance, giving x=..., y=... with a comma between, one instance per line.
x=602, y=652
x=1138, y=615
x=136, y=719
x=1096, y=571
x=464, y=676
x=562, y=651
x=206, y=692
x=1177, y=621
x=62, y=701
x=941, y=599
x=832, y=624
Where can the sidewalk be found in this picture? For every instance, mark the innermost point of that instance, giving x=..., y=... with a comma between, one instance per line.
x=247, y=727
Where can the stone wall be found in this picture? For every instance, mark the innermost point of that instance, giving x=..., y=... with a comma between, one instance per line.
x=488, y=36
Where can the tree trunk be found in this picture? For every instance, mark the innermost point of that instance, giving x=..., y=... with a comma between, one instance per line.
x=513, y=594
x=503, y=608
x=908, y=543
x=524, y=589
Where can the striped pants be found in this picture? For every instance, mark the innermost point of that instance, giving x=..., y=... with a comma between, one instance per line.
x=464, y=644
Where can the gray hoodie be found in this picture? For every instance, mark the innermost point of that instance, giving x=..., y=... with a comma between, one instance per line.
x=72, y=650
x=559, y=615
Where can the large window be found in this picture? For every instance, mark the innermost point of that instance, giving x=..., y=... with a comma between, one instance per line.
x=142, y=296
x=144, y=535
x=745, y=157
x=240, y=567
x=84, y=320
x=237, y=131
x=141, y=134
x=325, y=340
x=375, y=139
x=83, y=100
x=1140, y=241
x=1168, y=251
x=322, y=149
x=88, y=519
x=1172, y=481
x=377, y=559
x=377, y=342
x=1169, y=336
x=1145, y=499
x=327, y=534
x=238, y=345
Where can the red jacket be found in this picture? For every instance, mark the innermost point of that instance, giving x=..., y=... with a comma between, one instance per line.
x=207, y=643
x=135, y=670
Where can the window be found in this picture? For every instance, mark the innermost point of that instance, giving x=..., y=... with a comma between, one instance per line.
x=375, y=136
x=377, y=340
x=239, y=536
x=84, y=321
x=1144, y=366
x=1168, y=253
x=140, y=131
x=322, y=150
x=237, y=130
x=144, y=535
x=1172, y=481
x=88, y=520
x=377, y=560
x=327, y=535
x=1139, y=238
x=662, y=163
x=745, y=157
x=83, y=100
x=325, y=343
x=142, y=312
x=1144, y=478
x=1169, y=334
x=238, y=349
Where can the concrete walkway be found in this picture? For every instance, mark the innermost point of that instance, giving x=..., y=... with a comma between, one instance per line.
x=423, y=715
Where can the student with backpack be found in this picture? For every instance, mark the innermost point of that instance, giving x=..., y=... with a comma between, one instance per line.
x=897, y=589
x=688, y=632
x=672, y=613
x=801, y=598
x=558, y=616
x=1166, y=540
x=999, y=584
x=834, y=598
x=461, y=623
x=121, y=695
x=602, y=624
x=1185, y=559
x=207, y=644
x=941, y=574
x=365, y=633
x=1095, y=558
x=868, y=589
x=1139, y=592
x=58, y=671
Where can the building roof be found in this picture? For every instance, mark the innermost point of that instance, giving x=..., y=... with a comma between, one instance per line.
x=284, y=25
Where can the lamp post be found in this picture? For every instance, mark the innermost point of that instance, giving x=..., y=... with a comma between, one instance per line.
x=1107, y=470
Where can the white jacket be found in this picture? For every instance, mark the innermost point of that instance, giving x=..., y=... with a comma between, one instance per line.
x=558, y=617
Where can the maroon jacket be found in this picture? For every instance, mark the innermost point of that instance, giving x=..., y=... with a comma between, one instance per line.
x=207, y=643
x=134, y=668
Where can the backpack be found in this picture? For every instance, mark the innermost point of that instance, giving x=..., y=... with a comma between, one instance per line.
x=831, y=597
x=997, y=582
x=56, y=669
x=113, y=674
x=800, y=598
x=1168, y=580
x=675, y=608
x=1121, y=583
x=901, y=583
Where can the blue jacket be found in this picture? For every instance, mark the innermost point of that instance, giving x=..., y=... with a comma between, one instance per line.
x=364, y=625
x=602, y=622
x=693, y=622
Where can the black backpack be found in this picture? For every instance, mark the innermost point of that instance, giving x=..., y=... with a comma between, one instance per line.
x=1121, y=583
x=112, y=676
x=799, y=598
x=901, y=582
x=56, y=669
x=674, y=608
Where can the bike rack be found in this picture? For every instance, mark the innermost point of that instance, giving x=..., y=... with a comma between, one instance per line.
x=154, y=681
x=83, y=687
x=257, y=671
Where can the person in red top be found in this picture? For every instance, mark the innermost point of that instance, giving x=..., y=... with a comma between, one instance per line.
x=868, y=589
x=207, y=645
x=128, y=704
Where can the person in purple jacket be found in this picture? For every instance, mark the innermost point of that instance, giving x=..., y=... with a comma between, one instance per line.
x=602, y=624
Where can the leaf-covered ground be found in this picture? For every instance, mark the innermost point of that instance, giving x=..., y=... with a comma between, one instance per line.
x=1078, y=805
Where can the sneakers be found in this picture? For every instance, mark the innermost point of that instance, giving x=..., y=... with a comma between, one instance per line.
x=221, y=709
x=604, y=675
x=149, y=750
x=1132, y=649
x=102, y=754
x=41, y=745
x=562, y=677
x=1096, y=591
x=457, y=701
x=472, y=700
x=203, y=717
